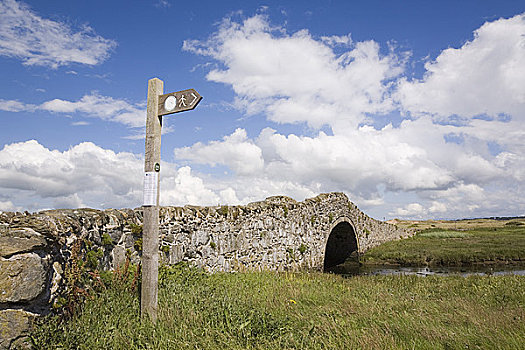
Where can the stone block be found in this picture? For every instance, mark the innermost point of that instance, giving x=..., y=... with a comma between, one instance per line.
x=21, y=240
x=14, y=326
x=119, y=256
x=22, y=278
x=176, y=253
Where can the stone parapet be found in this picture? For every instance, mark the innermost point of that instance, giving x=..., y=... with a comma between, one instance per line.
x=278, y=233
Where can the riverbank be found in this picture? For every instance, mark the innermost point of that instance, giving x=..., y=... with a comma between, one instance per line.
x=299, y=311
x=487, y=242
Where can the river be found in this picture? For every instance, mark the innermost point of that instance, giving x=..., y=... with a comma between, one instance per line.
x=353, y=269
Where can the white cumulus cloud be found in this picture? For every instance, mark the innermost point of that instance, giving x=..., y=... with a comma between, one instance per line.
x=239, y=153
x=34, y=177
x=8, y=206
x=430, y=167
x=44, y=42
x=83, y=175
x=103, y=107
x=295, y=78
x=485, y=76
x=15, y=106
x=459, y=151
x=92, y=105
x=182, y=187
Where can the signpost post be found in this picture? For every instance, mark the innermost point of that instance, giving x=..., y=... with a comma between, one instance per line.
x=159, y=104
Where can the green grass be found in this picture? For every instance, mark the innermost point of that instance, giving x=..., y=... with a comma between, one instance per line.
x=300, y=311
x=445, y=234
x=454, y=248
x=466, y=224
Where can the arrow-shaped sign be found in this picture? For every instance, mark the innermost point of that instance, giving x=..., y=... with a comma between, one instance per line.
x=179, y=101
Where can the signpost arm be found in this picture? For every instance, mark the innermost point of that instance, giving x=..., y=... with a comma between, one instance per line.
x=150, y=229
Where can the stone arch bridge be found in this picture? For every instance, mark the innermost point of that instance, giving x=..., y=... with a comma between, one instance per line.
x=275, y=234
x=278, y=233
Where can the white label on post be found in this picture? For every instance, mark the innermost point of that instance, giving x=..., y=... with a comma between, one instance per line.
x=151, y=180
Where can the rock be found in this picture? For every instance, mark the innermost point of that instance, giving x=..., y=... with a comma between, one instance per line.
x=22, y=240
x=57, y=278
x=14, y=325
x=41, y=224
x=119, y=256
x=176, y=253
x=22, y=343
x=201, y=237
x=22, y=278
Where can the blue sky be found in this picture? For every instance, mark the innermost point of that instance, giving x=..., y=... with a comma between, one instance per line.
x=414, y=109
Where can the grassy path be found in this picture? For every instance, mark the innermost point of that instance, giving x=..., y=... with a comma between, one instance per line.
x=301, y=311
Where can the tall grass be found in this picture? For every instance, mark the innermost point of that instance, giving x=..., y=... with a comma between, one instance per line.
x=299, y=311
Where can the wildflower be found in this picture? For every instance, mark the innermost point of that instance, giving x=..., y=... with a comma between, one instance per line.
x=293, y=301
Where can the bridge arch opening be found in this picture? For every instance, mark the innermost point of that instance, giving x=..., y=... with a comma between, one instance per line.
x=341, y=246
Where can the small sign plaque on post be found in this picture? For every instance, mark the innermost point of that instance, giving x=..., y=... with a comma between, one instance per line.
x=151, y=188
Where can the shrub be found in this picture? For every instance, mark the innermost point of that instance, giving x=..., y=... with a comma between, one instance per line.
x=135, y=229
x=93, y=257
x=302, y=248
x=106, y=239
x=223, y=210
x=138, y=245
x=514, y=223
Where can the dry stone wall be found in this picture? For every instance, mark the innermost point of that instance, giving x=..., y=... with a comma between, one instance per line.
x=278, y=233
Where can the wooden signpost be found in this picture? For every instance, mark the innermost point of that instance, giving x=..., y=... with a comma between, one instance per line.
x=159, y=104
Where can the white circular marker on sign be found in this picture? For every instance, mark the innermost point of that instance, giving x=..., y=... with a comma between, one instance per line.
x=170, y=103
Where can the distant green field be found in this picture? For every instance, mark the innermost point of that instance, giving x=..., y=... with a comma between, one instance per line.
x=437, y=246
x=445, y=234
x=298, y=311
x=466, y=224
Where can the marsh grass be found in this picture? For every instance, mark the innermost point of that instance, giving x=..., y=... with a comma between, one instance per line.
x=436, y=246
x=300, y=311
x=467, y=224
x=445, y=234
